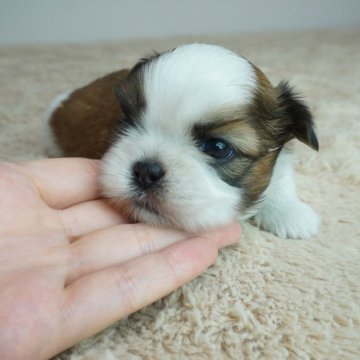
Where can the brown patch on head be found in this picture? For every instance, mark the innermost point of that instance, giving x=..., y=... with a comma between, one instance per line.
x=84, y=123
x=274, y=117
x=277, y=116
x=242, y=136
x=235, y=129
x=257, y=131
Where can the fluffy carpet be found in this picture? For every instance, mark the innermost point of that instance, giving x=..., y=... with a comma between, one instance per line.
x=265, y=298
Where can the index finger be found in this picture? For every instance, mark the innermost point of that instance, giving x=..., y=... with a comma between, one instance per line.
x=64, y=182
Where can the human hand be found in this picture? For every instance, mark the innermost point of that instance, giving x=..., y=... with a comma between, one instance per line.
x=70, y=265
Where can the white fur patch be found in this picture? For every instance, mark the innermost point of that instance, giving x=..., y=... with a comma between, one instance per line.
x=51, y=147
x=186, y=85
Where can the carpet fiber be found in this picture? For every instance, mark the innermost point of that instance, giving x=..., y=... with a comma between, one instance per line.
x=265, y=297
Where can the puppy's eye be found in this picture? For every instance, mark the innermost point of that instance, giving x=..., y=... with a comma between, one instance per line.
x=217, y=148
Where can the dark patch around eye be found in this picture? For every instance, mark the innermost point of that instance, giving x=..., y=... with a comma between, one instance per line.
x=234, y=172
x=252, y=173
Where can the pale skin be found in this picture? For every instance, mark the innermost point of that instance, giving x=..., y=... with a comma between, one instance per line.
x=70, y=265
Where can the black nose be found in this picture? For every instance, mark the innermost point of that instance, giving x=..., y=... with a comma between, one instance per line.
x=147, y=173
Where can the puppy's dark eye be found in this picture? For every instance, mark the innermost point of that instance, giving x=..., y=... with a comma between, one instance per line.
x=217, y=148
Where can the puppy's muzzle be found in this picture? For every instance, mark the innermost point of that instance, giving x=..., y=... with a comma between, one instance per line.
x=147, y=174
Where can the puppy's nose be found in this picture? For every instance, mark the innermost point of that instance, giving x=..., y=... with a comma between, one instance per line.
x=147, y=173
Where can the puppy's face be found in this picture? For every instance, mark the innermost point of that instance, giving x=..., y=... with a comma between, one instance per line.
x=201, y=134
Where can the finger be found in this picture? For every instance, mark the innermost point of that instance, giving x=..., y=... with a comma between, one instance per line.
x=99, y=300
x=118, y=244
x=63, y=182
x=89, y=216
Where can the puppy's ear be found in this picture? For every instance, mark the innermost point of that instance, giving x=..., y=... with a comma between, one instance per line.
x=298, y=116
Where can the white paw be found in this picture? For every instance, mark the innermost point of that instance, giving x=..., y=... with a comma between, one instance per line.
x=295, y=220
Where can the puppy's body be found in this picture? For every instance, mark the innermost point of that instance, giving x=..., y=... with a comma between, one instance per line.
x=192, y=138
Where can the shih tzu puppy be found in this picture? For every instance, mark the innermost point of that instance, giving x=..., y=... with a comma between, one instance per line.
x=192, y=138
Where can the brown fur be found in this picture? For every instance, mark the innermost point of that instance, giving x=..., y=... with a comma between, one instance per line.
x=82, y=125
x=258, y=132
x=233, y=127
x=242, y=135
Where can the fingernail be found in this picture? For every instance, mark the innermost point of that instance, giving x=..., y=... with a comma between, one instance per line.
x=231, y=235
x=225, y=235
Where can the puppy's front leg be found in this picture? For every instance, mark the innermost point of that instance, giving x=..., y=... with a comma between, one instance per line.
x=281, y=211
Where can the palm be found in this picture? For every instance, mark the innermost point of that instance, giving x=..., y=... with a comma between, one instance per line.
x=35, y=258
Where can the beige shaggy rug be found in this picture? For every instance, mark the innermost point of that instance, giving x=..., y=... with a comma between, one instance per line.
x=265, y=298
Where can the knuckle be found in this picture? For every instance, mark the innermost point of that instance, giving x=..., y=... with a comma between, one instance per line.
x=69, y=222
x=73, y=263
x=124, y=282
x=144, y=238
x=175, y=266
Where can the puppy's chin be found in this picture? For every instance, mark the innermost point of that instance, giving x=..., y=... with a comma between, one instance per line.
x=169, y=216
x=151, y=215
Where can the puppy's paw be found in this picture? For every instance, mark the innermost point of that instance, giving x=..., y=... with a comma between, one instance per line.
x=295, y=220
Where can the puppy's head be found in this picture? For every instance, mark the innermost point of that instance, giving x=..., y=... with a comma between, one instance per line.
x=200, y=137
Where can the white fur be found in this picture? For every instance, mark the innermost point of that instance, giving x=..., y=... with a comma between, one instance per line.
x=51, y=147
x=281, y=211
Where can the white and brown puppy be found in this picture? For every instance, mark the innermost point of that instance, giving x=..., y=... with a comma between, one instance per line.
x=191, y=138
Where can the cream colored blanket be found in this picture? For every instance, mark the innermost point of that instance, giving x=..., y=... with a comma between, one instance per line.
x=265, y=298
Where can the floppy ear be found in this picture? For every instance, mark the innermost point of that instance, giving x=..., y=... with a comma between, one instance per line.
x=301, y=124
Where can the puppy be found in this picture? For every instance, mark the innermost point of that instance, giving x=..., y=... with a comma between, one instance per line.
x=192, y=138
